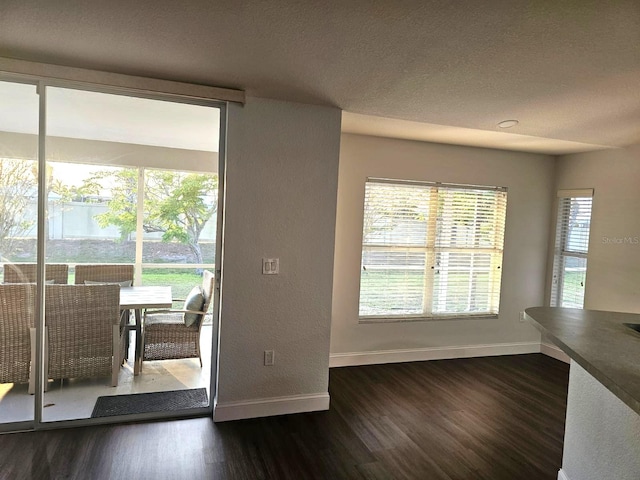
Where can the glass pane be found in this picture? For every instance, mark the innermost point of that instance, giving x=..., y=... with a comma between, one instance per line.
x=179, y=217
x=91, y=209
x=18, y=222
x=463, y=283
x=110, y=157
x=470, y=218
x=182, y=280
x=574, y=223
x=459, y=231
x=574, y=273
x=392, y=282
x=572, y=238
x=395, y=214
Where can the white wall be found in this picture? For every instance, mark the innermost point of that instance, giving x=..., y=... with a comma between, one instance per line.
x=602, y=434
x=530, y=180
x=281, y=180
x=613, y=263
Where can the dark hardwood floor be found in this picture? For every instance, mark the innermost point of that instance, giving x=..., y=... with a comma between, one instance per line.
x=484, y=418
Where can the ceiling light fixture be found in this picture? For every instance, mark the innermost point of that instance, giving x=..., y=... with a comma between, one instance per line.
x=508, y=123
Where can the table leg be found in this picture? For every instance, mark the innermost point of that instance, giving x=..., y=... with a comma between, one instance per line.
x=137, y=361
x=126, y=329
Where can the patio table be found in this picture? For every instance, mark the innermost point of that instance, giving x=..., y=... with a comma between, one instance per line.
x=138, y=298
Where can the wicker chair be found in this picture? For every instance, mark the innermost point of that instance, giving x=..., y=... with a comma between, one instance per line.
x=116, y=273
x=165, y=335
x=84, y=334
x=104, y=273
x=27, y=272
x=17, y=316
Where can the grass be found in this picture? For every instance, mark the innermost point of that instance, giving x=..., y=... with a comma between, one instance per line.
x=573, y=288
x=396, y=291
x=181, y=281
x=401, y=292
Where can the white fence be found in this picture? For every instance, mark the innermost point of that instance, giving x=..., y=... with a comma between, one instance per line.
x=71, y=220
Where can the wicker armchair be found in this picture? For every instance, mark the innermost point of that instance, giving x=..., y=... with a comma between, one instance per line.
x=165, y=334
x=27, y=272
x=83, y=331
x=17, y=316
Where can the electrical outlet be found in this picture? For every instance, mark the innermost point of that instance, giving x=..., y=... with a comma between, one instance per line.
x=522, y=319
x=269, y=357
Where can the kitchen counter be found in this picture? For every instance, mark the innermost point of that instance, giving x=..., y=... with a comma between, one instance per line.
x=600, y=343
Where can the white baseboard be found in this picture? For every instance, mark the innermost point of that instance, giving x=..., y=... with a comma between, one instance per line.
x=555, y=352
x=266, y=407
x=433, y=353
x=562, y=475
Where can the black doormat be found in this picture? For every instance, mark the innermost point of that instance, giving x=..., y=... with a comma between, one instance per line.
x=150, y=402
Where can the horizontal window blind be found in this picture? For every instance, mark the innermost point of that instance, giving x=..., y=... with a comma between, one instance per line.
x=571, y=248
x=431, y=250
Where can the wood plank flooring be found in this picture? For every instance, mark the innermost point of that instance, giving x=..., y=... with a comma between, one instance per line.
x=484, y=418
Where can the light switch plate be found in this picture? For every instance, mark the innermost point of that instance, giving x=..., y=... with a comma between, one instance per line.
x=270, y=266
x=269, y=358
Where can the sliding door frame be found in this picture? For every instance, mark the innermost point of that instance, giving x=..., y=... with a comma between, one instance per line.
x=26, y=425
x=41, y=85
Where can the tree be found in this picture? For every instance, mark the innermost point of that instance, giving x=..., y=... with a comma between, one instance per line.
x=389, y=206
x=175, y=203
x=122, y=210
x=18, y=184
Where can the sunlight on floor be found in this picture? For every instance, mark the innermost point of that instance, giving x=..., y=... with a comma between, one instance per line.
x=4, y=389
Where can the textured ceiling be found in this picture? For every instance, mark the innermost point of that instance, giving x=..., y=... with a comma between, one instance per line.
x=567, y=70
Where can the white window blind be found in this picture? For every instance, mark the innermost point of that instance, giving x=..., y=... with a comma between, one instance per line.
x=571, y=248
x=431, y=250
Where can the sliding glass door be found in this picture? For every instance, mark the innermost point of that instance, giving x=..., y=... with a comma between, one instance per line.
x=18, y=224
x=130, y=187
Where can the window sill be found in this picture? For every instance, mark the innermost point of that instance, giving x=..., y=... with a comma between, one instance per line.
x=407, y=319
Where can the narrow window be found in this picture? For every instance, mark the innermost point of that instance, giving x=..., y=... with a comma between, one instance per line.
x=431, y=250
x=571, y=248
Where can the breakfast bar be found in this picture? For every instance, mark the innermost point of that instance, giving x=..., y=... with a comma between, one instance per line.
x=602, y=431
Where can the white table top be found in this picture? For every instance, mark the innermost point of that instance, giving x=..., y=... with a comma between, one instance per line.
x=145, y=297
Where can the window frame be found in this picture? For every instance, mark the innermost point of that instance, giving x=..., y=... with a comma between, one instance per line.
x=432, y=248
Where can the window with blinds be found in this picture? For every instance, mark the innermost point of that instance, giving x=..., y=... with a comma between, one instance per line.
x=431, y=250
x=571, y=248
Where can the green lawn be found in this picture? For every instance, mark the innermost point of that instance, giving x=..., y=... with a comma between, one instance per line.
x=401, y=292
x=382, y=291
x=181, y=281
x=573, y=288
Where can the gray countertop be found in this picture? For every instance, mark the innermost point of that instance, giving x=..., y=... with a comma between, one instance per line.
x=600, y=343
